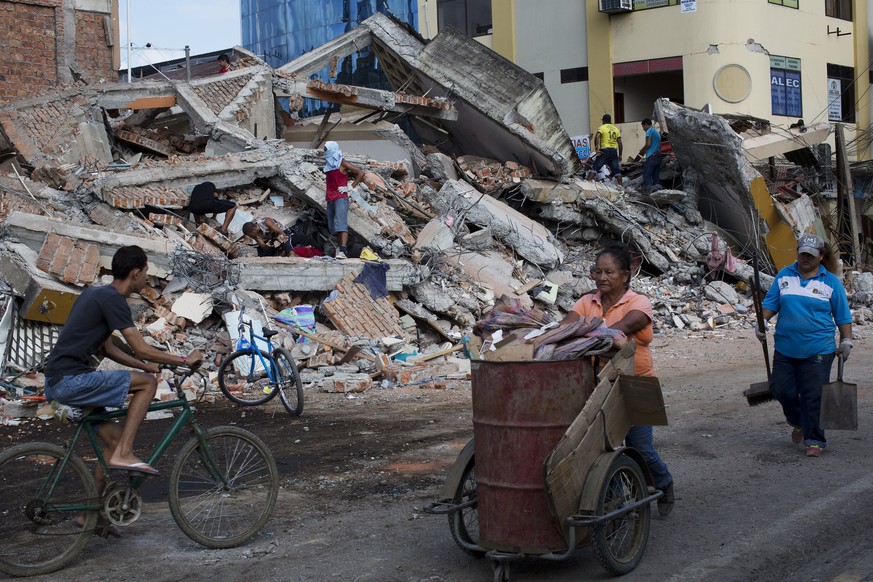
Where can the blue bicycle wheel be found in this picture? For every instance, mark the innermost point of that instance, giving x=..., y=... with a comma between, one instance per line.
x=290, y=386
x=244, y=380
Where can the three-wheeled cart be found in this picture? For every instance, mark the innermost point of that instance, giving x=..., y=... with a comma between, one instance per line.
x=546, y=471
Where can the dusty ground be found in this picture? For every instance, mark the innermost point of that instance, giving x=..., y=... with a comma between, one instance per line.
x=357, y=471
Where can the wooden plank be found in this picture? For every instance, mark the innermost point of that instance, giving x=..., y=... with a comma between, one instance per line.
x=152, y=103
x=644, y=400
x=565, y=477
x=427, y=357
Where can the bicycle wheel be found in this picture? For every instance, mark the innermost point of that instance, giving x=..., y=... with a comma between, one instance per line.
x=464, y=524
x=248, y=387
x=223, y=504
x=37, y=534
x=620, y=543
x=290, y=386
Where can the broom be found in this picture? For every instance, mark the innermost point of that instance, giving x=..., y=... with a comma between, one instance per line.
x=759, y=392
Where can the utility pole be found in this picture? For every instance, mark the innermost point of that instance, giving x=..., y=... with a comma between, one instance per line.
x=845, y=191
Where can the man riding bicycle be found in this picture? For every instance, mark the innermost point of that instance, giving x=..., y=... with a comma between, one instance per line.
x=71, y=379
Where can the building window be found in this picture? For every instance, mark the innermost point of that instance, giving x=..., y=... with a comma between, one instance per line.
x=788, y=3
x=839, y=9
x=472, y=17
x=576, y=75
x=785, y=88
x=841, y=93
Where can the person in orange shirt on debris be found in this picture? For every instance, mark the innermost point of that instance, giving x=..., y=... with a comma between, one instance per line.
x=623, y=309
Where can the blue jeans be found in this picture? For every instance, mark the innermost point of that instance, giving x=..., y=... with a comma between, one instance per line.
x=796, y=384
x=608, y=157
x=640, y=438
x=338, y=215
x=652, y=170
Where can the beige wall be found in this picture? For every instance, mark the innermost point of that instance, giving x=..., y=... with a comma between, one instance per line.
x=727, y=25
x=799, y=33
x=549, y=39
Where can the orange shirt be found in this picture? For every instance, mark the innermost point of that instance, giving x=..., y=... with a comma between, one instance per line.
x=590, y=306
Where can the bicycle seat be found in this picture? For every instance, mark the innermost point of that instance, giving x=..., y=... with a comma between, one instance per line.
x=268, y=333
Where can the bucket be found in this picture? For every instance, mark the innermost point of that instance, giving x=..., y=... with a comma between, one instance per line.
x=520, y=412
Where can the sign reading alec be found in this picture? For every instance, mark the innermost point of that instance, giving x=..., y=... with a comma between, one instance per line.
x=835, y=105
x=582, y=145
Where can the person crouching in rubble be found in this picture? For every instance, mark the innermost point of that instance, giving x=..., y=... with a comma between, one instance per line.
x=337, y=172
x=203, y=201
x=272, y=239
x=623, y=309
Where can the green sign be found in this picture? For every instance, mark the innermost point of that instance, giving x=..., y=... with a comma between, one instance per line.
x=646, y=4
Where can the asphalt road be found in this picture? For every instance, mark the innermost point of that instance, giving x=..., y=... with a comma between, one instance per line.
x=358, y=471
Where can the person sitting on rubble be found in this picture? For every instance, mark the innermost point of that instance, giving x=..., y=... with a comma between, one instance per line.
x=337, y=171
x=203, y=201
x=273, y=239
x=223, y=64
x=608, y=146
x=627, y=311
x=71, y=380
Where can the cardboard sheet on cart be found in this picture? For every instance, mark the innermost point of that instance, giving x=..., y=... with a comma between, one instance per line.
x=618, y=402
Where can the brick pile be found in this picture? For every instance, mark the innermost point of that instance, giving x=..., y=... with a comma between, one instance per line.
x=355, y=313
x=222, y=92
x=132, y=197
x=71, y=261
x=149, y=140
x=490, y=174
x=40, y=129
x=10, y=202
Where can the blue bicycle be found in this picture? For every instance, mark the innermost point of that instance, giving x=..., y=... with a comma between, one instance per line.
x=250, y=376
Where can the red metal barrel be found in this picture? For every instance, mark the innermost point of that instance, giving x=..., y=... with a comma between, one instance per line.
x=520, y=412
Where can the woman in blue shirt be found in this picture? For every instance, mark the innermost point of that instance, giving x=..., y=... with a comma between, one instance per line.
x=811, y=303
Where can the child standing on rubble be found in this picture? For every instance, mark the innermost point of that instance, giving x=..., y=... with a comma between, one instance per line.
x=337, y=172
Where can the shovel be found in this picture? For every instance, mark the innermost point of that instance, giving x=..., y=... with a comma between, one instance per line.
x=839, y=403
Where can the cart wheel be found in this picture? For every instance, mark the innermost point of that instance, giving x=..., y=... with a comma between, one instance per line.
x=620, y=543
x=501, y=571
x=464, y=524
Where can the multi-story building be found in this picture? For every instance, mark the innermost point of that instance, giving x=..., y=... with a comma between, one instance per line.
x=55, y=42
x=780, y=60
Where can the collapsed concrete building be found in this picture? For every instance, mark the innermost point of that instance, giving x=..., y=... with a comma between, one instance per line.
x=489, y=204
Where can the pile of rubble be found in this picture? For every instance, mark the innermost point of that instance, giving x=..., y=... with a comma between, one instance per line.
x=97, y=168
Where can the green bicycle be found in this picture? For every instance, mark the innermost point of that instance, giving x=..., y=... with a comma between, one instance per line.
x=222, y=490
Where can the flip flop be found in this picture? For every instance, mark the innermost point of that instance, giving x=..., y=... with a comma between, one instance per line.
x=136, y=468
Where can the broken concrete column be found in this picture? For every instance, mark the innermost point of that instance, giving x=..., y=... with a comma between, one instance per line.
x=435, y=237
x=45, y=298
x=440, y=167
x=31, y=230
x=530, y=239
